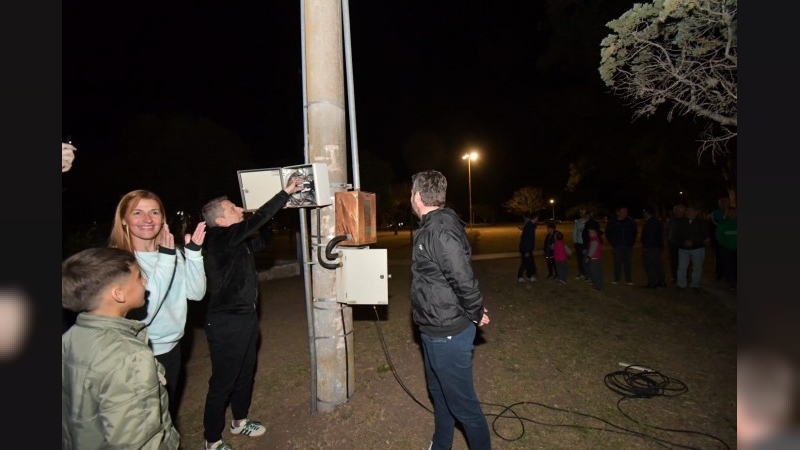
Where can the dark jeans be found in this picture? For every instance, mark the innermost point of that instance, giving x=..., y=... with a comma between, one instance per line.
x=719, y=259
x=232, y=341
x=622, y=262
x=596, y=270
x=673, y=261
x=552, y=272
x=172, y=367
x=562, y=269
x=527, y=265
x=579, y=249
x=448, y=370
x=729, y=266
x=653, y=266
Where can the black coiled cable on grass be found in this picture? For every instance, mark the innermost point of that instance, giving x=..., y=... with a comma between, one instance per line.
x=634, y=383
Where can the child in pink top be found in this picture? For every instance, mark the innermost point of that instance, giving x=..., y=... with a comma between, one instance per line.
x=561, y=253
x=593, y=253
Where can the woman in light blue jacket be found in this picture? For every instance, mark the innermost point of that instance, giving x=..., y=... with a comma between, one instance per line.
x=173, y=276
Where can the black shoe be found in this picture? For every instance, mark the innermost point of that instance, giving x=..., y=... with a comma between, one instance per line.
x=650, y=286
x=662, y=284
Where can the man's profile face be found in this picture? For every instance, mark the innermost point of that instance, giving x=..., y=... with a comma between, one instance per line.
x=232, y=214
x=414, y=206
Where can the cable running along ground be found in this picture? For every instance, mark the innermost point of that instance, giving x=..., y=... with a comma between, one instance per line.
x=630, y=383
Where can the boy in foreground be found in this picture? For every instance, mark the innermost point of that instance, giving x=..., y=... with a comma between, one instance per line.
x=112, y=387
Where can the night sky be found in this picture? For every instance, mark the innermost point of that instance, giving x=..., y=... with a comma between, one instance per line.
x=517, y=81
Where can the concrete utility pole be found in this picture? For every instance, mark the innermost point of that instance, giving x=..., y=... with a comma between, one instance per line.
x=325, y=112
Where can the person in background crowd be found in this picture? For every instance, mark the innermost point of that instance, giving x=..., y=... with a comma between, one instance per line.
x=714, y=219
x=692, y=234
x=593, y=254
x=447, y=307
x=726, y=236
x=561, y=253
x=591, y=222
x=678, y=214
x=621, y=234
x=577, y=240
x=549, y=240
x=527, y=240
x=652, y=247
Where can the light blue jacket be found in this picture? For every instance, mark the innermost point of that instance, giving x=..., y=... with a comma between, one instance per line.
x=577, y=230
x=172, y=279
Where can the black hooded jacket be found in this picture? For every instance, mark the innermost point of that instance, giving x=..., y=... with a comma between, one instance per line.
x=445, y=296
x=230, y=261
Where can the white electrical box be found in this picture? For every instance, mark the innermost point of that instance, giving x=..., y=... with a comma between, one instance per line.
x=259, y=185
x=362, y=277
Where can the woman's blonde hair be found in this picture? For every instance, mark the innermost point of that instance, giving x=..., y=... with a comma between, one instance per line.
x=120, y=237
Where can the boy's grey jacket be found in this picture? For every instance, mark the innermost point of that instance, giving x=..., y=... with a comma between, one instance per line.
x=112, y=388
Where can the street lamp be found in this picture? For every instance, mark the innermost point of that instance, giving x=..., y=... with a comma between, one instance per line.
x=553, y=205
x=470, y=157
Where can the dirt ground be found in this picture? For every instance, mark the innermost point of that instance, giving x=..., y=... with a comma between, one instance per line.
x=544, y=367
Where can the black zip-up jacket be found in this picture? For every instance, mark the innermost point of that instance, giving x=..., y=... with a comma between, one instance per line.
x=695, y=230
x=549, y=240
x=621, y=232
x=230, y=261
x=445, y=296
x=653, y=233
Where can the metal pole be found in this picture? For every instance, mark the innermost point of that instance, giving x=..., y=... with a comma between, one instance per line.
x=469, y=186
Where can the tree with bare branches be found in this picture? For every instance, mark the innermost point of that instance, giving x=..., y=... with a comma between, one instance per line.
x=527, y=200
x=681, y=54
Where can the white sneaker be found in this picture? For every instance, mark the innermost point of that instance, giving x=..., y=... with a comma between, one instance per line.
x=219, y=445
x=249, y=428
x=532, y=278
x=521, y=280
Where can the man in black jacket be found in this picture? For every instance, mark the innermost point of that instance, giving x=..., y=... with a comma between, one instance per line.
x=231, y=320
x=652, y=246
x=621, y=234
x=447, y=306
x=691, y=233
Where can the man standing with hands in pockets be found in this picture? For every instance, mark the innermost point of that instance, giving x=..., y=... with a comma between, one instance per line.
x=447, y=306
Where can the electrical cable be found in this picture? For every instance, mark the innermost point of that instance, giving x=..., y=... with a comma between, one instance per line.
x=644, y=384
x=391, y=364
x=346, y=352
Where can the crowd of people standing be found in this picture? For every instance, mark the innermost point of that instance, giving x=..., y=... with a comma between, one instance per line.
x=686, y=234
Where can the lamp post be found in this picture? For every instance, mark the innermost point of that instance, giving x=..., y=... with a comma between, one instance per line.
x=553, y=205
x=470, y=157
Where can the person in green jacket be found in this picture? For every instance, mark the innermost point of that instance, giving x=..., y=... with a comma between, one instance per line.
x=725, y=234
x=113, y=392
